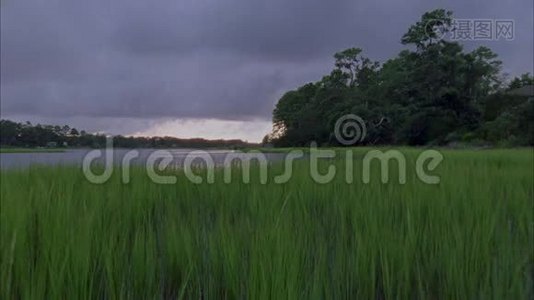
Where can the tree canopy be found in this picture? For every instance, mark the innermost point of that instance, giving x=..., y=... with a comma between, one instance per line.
x=434, y=92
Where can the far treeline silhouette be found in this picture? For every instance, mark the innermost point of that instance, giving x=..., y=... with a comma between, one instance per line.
x=433, y=93
x=14, y=134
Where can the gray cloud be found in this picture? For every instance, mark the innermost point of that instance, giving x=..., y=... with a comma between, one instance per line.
x=231, y=60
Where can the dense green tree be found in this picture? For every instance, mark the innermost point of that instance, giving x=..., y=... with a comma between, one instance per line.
x=521, y=81
x=430, y=30
x=355, y=68
x=433, y=93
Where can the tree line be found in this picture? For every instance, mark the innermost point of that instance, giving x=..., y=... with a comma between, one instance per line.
x=13, y=134
x=433, y=93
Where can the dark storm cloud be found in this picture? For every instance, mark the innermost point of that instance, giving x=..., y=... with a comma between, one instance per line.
x=278, y=30
x=201, y=58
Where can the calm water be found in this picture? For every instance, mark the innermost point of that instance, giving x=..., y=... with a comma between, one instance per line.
x=75, y=157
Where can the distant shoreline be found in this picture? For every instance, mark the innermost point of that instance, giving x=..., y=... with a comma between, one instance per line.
x=32, y=150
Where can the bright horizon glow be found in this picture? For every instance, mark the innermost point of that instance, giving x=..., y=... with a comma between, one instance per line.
x=211, y=129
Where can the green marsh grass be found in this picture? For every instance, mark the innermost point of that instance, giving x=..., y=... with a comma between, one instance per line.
x=469, y=237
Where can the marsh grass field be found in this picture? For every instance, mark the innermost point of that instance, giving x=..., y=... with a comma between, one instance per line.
x=468, y=237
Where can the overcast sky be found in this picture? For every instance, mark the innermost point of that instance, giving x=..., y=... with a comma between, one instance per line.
x=207, y=68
